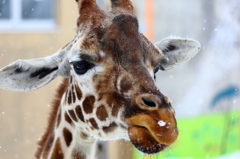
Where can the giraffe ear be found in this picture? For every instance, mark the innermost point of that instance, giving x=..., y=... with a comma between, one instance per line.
x=177, y=51
x=28, y=75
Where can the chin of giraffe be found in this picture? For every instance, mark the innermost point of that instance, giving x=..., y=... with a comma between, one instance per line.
x=109, y=90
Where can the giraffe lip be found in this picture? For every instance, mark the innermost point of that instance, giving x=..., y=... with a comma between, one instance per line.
x=145, y=128
x=144, y=141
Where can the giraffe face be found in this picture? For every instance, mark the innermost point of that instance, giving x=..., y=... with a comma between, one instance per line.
x=110, y=66
x=119, y=98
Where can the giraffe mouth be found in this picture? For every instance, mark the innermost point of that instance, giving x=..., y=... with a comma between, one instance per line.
x=144, y=141
x=151, y=135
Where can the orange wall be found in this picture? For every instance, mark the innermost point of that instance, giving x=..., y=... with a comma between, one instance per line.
x=149, y=19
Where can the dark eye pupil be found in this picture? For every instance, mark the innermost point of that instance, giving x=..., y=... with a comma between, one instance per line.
x=81, y=67
x=155, y=70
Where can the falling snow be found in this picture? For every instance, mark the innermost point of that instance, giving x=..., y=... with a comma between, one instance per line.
x=161, y=123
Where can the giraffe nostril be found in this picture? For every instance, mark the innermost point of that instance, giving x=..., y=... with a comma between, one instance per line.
x=149, y=102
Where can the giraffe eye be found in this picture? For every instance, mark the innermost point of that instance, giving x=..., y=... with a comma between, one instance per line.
x=155, y=70
x=81, y=67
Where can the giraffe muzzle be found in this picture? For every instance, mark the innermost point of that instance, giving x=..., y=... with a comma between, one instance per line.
x=155, y=128
x=150, y=135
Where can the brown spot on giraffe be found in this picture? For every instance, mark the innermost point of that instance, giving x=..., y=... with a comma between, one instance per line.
x=69, y=97
x=102, y=80
x=78, y=92
x=88, y=104
x=67, y=118
x=79, y=113
x=94, y=123
x=110, y=128
x=67, y=136
x=126, y=84
x=115, y=110
x=72, y=115
x=114, y=100
x=102, y=113
x=73, y=94
x=59, y=118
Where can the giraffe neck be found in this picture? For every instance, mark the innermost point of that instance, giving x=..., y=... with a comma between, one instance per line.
x=70, y=142
x=63, y=140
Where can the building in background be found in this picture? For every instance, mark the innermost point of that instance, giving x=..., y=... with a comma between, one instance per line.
x=204, y=91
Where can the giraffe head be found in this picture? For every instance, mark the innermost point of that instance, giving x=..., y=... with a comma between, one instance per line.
x=111, y=68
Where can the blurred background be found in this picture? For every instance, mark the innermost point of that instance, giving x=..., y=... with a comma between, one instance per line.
x=204, y=91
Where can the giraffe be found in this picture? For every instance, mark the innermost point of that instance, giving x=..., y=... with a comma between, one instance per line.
x=108, y=91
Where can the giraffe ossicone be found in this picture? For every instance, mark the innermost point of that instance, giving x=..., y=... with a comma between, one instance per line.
x=109, y=90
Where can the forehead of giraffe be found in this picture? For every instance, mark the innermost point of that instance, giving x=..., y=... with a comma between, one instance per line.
x=123, y=40
x=116, y=36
